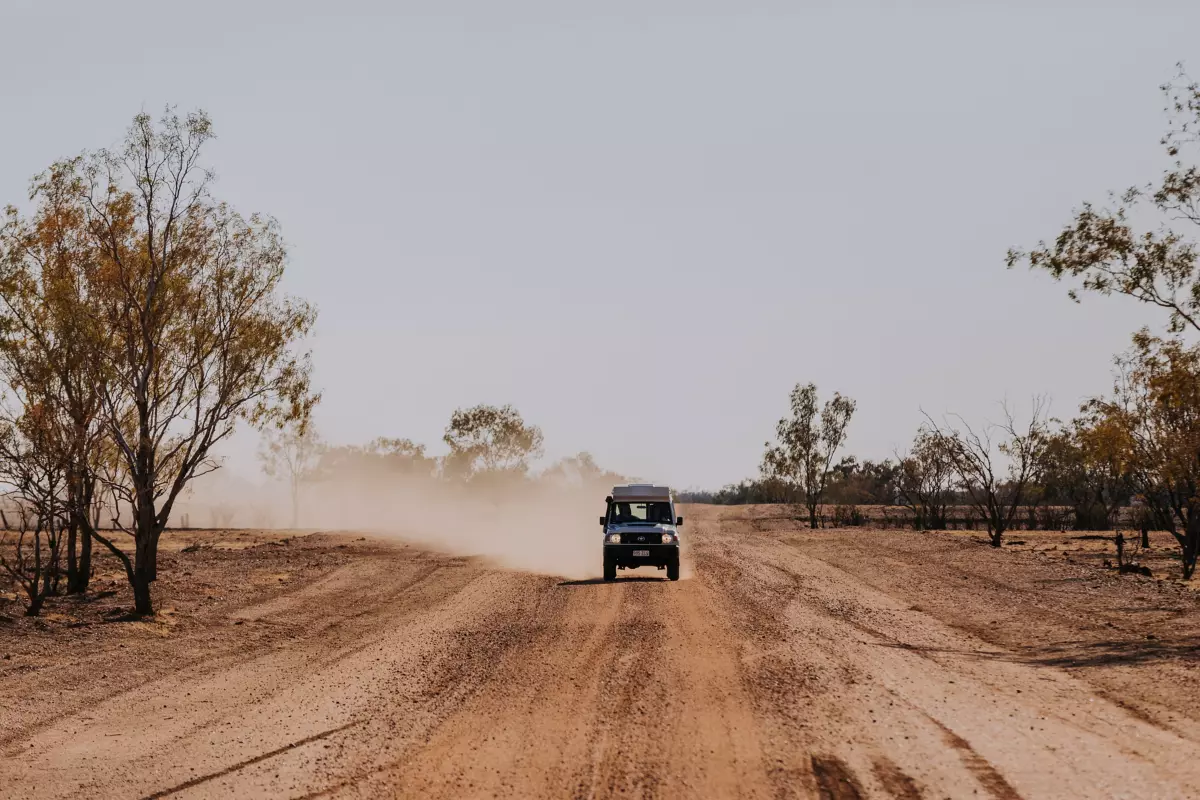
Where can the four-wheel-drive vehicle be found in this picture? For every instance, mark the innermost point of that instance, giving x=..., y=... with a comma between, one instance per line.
x=640, y=530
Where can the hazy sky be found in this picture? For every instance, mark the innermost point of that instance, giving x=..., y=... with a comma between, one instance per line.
x=643, y=222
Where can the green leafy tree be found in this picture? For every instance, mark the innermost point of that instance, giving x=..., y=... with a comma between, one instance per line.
x=490, y=439
x=867, y=482
x=193, y=333
x=47, y=325
x=1088, y=469
x=1154, y=417
x=1143, y=246
x=380, y=459
x=926, y=479
x=807, y=442
x=1106, y=251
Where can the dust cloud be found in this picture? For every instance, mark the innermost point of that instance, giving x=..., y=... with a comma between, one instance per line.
x=537, y=528
x=541, y=525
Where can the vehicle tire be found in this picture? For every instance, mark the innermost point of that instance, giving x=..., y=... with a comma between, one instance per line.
x=673, y=570
x=610, y=568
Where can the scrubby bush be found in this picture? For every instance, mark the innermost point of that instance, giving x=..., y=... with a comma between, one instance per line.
x=848, y=516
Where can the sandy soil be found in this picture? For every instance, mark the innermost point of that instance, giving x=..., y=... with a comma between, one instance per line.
x=791, y=663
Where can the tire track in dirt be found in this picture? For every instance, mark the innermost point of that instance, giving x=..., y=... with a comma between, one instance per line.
x=988, y=777
x=311, y=613
x=635, y=720
x=514, y=724
x=209, y=722
x=817, y=669
x=248, y=762
x=894, y=781
x=421, y=674
x=624, y=689
x=835, y=781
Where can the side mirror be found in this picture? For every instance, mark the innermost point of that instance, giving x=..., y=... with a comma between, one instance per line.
x=602, y=520
x=678, y=521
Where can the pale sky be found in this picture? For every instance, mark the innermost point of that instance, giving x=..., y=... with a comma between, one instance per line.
x=642, y=222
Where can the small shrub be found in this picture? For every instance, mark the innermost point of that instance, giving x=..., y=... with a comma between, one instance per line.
x=848, y=517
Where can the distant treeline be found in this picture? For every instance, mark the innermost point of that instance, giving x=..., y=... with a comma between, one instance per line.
x=875, y=493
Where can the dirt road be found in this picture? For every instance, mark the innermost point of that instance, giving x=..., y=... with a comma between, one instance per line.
x=790, y=664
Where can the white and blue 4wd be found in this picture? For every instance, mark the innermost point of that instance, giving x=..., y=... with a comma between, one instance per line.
x=640, y=530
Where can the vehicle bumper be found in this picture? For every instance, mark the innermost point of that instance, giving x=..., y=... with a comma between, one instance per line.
x=658, y=555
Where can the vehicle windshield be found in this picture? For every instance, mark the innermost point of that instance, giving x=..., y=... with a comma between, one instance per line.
x=621, y=513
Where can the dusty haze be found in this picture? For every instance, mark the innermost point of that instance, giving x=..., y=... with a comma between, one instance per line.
x=543, y=525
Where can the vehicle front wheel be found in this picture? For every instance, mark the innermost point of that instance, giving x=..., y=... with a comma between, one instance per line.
x=673, y=571
x=610, y=568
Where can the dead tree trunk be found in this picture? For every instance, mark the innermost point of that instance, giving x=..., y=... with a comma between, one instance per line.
x=1191, y=545
x=81, y=496
x=72, y=557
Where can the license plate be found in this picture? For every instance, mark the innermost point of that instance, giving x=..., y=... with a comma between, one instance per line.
x=641, y=553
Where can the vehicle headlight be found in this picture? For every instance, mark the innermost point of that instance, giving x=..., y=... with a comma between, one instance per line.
x=668, y=538
x=614, y=538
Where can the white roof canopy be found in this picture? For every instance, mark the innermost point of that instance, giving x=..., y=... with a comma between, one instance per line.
x=642, y=491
